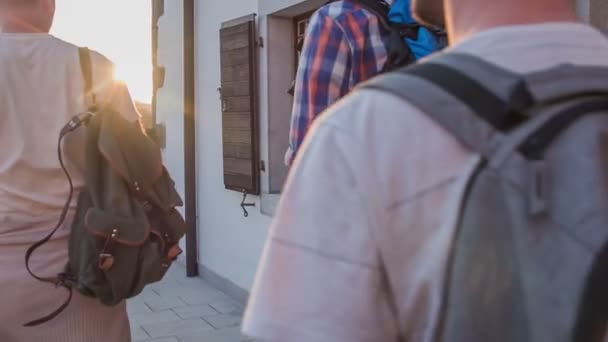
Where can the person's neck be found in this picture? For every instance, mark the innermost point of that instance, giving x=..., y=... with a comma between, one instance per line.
x=21, y=26
x=11, y=30
x=464, y=22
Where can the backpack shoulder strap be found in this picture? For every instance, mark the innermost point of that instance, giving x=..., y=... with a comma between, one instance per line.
x=479, y=102
x=567, y=81
x=378, y=7
x=544, y=87
x=446, y=99
x=87, y=73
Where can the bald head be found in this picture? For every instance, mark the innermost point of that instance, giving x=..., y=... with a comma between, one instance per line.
x=26, y=16
x=463, y=18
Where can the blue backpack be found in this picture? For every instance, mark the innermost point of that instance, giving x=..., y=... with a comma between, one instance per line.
x=409, y=41
x=422, y=40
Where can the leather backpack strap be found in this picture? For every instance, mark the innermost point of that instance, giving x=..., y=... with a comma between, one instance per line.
x=65, y=279
x=53, y=314
x=86, y=67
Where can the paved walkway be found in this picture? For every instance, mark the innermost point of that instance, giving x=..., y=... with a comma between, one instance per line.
x=181, y=309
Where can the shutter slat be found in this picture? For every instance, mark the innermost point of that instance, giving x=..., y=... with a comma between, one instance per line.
x=237, y=182
x=236, y=29
x=237, y=120
x=236, y=57
x=239, y=136
x=237, y=104
x=237, y=166
x=236, y=88
x=237, y=151
x=234, y=42
x=235, y=73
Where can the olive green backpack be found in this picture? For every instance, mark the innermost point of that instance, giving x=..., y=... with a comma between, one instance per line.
x=126, y=229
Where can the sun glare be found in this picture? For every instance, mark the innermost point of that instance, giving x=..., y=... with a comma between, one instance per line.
x=139, y=83
x=119, y=29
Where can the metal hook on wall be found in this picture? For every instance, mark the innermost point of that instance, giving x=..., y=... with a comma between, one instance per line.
x=245, y=205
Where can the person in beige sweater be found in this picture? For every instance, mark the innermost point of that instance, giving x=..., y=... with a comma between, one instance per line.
x=42, y=88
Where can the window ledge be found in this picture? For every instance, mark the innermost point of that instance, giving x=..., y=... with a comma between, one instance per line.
x=269, y=203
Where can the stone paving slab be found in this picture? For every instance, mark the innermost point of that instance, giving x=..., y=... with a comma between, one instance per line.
x=138, y=334
x=196, y=311
x=137, y=306
x=224, y=335
x=142, y=319
x=176, y=328
x=223, y=321
x=227, y=307
x=168, y=339
x=181, y=309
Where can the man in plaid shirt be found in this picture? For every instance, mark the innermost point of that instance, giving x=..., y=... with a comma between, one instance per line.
x=345, y=44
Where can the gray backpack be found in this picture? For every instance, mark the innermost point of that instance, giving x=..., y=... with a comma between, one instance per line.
x=529, y=260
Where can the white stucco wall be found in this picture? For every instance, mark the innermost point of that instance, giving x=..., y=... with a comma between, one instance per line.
x=170, y=98
x=229, y=243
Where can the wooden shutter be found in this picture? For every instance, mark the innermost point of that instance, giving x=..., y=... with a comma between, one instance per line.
x=240, y=105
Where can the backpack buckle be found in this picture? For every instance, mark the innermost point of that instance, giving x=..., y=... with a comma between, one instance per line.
x=537, y=188
x=64, y=279
x=106, y=259
x=174, y=252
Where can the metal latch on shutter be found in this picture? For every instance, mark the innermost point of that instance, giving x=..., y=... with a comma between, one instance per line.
x=245, y=205
x=219, y=90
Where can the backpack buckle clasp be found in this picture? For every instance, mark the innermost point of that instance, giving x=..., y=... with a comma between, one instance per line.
x=106, y=259
x=537, y=188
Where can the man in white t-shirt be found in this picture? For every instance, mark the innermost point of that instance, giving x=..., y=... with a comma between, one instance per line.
x=41, y=89
x=373, y=196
